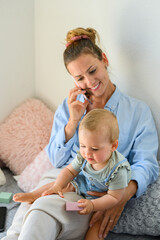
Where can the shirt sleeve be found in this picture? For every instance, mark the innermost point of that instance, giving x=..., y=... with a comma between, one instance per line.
x=138, y=142
x=59, y=152
x=143, y=155
x=77, y=162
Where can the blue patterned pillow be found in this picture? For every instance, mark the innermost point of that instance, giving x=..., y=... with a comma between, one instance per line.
x=141, y=216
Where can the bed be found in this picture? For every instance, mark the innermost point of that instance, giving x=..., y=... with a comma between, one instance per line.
x=29, y=163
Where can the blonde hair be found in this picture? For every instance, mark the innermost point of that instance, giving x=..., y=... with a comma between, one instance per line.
x=90, y=32
x=101, y=119
x=83, y=45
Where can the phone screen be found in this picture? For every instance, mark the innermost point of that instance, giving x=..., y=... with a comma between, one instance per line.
x=3, y=211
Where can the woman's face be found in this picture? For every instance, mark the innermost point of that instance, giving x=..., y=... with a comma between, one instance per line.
x=90, y=74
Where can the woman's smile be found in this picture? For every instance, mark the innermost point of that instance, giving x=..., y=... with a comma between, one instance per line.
x=96, y=87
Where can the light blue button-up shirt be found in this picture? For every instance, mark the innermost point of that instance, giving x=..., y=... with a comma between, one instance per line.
x=138, y=140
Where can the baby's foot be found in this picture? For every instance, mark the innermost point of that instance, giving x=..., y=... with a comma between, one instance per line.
x=24, y=197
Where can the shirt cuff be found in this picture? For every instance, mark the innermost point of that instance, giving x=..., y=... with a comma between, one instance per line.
x=61, y=138
x=141, y=183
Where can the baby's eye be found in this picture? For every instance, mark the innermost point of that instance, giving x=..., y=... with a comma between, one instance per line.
x=82, y=146
x=95, y=149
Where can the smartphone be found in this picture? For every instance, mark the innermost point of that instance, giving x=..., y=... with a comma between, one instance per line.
x=3, y=212
x=86, y=95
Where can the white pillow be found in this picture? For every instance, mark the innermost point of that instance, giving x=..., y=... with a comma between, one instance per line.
x=2, y=178
x=32, y=174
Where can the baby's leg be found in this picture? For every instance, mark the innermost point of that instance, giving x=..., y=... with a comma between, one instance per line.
x=93, y=232
x=31, y=196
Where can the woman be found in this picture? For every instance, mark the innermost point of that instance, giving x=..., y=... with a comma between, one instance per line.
x=138, y=141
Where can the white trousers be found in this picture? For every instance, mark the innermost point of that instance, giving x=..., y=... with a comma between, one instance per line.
x=46, y=218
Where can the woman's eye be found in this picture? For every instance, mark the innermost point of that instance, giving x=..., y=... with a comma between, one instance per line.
x=80, y=79
x=92, y=71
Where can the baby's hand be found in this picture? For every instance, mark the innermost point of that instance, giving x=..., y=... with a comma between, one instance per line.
x=87, y=206
x=55, y=189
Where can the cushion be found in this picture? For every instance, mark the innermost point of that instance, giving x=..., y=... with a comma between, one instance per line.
x=32, y=174
x=2, y=178
x=141, y=216
x=24, y=133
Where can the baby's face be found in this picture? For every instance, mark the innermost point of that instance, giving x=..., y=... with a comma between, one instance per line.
x=94, y=147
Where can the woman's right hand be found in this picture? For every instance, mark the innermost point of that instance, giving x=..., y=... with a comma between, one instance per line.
x=76, y=111
x=76, y=108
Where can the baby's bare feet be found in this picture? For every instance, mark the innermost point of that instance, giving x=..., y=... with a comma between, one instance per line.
x=24, y=197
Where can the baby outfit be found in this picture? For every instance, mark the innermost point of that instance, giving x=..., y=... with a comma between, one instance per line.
x=115, y=175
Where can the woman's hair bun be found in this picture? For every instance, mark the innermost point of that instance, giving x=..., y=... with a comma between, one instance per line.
x=90, y=32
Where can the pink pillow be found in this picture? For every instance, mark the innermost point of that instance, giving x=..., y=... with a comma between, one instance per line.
x=24, y=134
x=32, y=174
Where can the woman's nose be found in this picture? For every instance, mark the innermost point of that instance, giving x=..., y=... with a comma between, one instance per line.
x=89, y=82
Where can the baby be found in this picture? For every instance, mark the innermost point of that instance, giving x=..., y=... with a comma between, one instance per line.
x=98, y=166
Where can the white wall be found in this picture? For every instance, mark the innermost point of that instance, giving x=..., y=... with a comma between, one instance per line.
x=130, y=35
x=16, y=53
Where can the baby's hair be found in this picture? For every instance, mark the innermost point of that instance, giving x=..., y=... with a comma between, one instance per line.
x=101, y=119
x=86, y=45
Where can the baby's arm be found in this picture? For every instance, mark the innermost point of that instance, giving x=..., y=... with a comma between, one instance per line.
x=107, y=201
x=66, y=176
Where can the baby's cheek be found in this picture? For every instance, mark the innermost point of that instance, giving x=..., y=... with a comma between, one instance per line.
x=82, y=152
x=99, y=157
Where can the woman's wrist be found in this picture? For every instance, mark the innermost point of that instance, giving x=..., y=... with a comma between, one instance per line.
x=70, y=129
x=132, y=189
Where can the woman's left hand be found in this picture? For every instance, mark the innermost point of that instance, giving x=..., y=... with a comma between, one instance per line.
x=110, y=217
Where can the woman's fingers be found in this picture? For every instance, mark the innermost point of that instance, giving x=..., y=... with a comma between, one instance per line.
x=105, y=227
x=96, y=217
x=73, y=93
x=110, y=220
x=76, y=107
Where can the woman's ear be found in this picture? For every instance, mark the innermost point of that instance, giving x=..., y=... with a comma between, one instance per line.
x=105, y=59
x=114, y=145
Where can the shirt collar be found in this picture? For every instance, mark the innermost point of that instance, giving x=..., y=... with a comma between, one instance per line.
x=113, y=101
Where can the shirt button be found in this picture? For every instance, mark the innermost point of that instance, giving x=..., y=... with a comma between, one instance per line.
x=92, y=184
x=90, y=178
x=106, y=183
